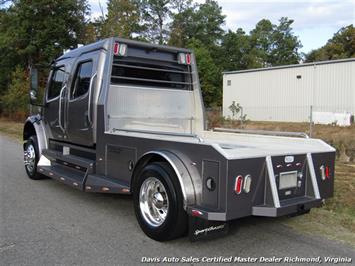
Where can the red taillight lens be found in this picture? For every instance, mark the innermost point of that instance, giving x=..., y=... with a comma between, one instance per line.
x=327, y=172
x=196, y=213
x=238, y=184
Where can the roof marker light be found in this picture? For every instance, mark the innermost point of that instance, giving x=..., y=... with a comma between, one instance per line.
x=184, y=59
x=120, y=49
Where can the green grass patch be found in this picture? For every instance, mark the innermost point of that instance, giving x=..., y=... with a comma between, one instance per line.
x=11, y=129
x=336, y=219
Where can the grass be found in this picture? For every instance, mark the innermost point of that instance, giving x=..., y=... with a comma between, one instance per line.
x=335, y=220
x=11, y=129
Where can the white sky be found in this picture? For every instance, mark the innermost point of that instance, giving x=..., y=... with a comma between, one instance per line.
x=315, y=20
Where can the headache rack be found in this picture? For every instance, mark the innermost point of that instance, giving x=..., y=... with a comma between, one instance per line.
x=152, y=72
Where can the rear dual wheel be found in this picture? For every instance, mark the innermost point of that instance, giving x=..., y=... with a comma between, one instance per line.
x=158, y=202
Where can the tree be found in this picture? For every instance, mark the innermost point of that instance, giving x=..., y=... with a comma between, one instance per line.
x=123, y=19
x=237, y=46
x=155, y=14
x=341, y=45
x=14, y=102
x=36, y=32
x=285, y=45
x=182, y=21
x=209, y=73
x=207, y=23
x=40, y=29
x=202, y=22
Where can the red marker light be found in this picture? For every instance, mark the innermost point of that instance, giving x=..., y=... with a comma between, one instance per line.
x=188, y=59
x=238, y=184
x=116, y=48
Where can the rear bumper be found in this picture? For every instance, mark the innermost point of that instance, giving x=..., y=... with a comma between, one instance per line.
x=300, y=206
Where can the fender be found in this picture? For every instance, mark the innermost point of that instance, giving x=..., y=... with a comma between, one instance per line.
x=189, y=178
x=34, y=124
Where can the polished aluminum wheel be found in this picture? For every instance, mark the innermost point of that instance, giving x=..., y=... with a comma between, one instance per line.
x=29, y=157
x=153, y=201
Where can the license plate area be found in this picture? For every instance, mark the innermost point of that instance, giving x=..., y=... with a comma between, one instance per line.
x=288, y=180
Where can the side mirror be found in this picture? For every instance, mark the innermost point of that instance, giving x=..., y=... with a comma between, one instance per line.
x=33, y=95
x=34, y=87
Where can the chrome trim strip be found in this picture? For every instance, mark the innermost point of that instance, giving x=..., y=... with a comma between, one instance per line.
x=89, y=100
x=313, y=176
x=177, y=172
x=60, y=108
x=270, y=170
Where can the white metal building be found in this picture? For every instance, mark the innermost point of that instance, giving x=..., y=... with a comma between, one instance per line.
x=287, y=93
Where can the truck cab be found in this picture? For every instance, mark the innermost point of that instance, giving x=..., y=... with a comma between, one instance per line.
x=120, y=116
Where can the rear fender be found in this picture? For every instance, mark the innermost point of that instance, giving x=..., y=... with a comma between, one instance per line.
x=188, y=177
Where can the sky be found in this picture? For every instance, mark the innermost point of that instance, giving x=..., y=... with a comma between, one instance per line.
x=315, y=21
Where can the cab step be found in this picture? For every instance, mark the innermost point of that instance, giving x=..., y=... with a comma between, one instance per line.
x=67, y=175
x=70, y=161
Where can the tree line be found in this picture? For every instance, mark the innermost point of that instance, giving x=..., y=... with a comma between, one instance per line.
x=36, y=32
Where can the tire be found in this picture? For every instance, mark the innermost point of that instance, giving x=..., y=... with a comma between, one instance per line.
x=31, y=147
x=167, y=196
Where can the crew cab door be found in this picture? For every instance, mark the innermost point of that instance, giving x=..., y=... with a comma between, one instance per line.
x=80, y=100
x=55, y=102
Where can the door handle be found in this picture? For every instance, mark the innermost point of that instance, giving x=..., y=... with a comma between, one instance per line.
x=60, y=108
x=89, y=100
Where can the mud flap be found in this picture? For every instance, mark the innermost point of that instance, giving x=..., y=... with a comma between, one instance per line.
x=200, y=229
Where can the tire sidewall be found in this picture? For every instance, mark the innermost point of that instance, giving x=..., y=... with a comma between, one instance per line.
x=33, y=141
x=164, y=175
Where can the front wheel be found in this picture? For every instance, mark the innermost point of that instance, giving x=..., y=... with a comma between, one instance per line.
x=30, y=155
x=158, y=202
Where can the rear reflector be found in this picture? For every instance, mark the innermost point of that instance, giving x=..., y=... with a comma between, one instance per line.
x=238, y=184
x=247, y=184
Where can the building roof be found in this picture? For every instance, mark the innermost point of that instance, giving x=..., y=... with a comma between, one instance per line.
x=290, y=66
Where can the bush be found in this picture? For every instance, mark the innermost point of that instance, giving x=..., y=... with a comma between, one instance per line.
x=15, y=101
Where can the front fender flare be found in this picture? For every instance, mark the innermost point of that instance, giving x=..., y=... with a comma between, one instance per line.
x=35, y=123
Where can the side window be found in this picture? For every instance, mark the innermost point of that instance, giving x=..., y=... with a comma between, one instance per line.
x=82, y=79
x=56, y=83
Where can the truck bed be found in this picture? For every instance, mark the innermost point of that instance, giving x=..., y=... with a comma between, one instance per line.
x=241, y=146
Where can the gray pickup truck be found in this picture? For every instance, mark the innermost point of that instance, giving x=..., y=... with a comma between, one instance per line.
x=127, y=117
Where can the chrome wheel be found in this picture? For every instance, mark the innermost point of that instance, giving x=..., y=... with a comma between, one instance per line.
x=153, y=201
x=29, y=157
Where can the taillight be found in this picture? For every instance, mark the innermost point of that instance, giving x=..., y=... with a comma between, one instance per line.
x=196, y=213
x=184, y=59
x=238, y=184
x=120, y=49
x=327, y=172
x=324, y=172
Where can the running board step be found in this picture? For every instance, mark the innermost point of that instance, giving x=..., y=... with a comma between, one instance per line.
x=98, y=183
x=69, y=176
x=69, y=160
